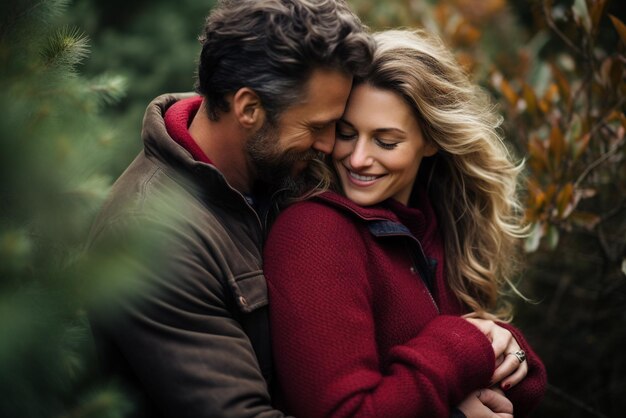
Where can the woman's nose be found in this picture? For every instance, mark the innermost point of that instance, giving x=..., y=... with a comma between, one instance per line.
x=360, y=156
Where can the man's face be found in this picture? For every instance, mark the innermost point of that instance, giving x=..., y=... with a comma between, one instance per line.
x=303, y=130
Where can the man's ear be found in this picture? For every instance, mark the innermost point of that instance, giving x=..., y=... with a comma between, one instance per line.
x=248, y=108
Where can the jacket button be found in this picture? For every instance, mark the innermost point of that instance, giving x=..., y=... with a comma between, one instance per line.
x=412, y=270
x=243, y=301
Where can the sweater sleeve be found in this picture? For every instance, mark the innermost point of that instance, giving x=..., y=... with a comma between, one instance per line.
x=526, y=395
x=324, y=336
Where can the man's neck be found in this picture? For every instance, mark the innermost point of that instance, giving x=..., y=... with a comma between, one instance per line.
x=223, y=141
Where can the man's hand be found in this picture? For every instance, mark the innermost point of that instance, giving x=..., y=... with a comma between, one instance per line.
x=486, y=403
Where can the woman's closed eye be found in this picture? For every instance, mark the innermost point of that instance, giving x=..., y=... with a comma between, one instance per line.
x=386, y=143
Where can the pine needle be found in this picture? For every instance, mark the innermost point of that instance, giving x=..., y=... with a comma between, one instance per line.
x=66, y=48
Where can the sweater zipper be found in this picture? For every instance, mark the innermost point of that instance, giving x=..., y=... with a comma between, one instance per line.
x=419, y=245
x=432, y=299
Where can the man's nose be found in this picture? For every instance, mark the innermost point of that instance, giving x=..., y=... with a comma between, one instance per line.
x=325, y=141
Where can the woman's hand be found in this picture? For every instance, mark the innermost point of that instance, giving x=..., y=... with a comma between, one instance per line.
x=486, y=403
x=510, y=369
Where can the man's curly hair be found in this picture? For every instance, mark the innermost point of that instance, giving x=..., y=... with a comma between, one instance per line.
x=272, y=46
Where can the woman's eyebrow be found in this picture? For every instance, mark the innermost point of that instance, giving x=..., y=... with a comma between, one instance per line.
x=377, y=130
x=392, y=130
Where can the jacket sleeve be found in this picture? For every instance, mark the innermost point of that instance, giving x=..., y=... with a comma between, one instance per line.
x=176, y=336
x=324, y=337
x=526, y=395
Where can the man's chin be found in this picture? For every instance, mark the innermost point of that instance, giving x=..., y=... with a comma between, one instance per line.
x=298, y=167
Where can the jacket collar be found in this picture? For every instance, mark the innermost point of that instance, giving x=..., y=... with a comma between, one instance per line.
x=178, y=161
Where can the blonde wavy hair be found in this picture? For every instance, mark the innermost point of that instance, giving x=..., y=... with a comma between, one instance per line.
x=472, y=179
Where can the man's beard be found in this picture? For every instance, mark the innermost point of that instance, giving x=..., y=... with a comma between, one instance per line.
x=273, y=165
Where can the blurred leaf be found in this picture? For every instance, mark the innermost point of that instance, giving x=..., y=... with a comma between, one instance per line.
x=505, y=88
x=581, y=14
x=620, y=27
x=538, y=154
x=552, y=237
x=562, y=83
x=584, y=219
x=556, y=148
x=466, y=33
x=529, y=97
x=564, y=201
x=106, y=402
x=574, y=131
x=15, y=250
x=580, y=145
x=585, y=193
x=597, y=9
x=549, y=97
x=479, y=11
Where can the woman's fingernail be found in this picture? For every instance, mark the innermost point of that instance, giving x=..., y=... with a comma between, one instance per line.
x=506, y=386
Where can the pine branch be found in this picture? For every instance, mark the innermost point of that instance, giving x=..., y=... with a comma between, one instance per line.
x=109, y=89
x=66, y=48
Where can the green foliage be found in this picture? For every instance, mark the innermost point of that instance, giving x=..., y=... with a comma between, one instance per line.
x=52, y=146
x=153, y=44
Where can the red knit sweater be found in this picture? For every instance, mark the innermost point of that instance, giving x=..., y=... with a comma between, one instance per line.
x=355, y=331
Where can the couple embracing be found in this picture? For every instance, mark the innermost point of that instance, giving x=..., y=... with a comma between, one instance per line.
x=349, y=219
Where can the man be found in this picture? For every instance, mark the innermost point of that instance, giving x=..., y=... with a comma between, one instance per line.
x=273, y=77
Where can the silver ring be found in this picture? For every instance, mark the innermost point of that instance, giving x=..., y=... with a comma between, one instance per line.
x=520, y=355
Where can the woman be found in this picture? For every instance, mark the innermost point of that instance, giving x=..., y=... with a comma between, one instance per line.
x=382, y=293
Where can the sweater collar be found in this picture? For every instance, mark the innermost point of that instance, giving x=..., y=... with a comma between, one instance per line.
x=419, y=218
x=177, y=121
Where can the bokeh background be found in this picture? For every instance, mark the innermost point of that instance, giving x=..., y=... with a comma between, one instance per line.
x=75, y=78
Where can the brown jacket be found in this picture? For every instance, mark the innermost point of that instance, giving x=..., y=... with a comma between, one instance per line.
x=194, y=342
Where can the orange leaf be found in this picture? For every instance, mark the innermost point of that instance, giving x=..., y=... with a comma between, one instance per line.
x=537, y=153
x=551, y=92
x=550, y=192
x=597, y=8
x=564, y=201
x=556, y=147
x=529, y=98
x=580, y=145
x=508, y=92
x=466, y=33
x=587, y=220
x=620, y=27
x=562, y=83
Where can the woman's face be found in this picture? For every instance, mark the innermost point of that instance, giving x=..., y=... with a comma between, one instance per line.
x=379, y=147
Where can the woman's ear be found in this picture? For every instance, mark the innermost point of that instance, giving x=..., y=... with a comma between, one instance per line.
x=430, y=149
x=248, y=108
